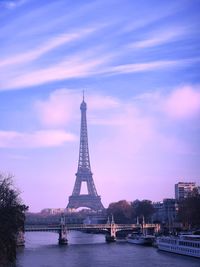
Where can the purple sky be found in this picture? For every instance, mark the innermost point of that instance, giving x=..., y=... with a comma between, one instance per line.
x=138, y=62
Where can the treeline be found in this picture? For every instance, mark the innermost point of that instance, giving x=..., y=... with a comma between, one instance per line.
x=188, y=212
x=12, y=217
x=131, y=212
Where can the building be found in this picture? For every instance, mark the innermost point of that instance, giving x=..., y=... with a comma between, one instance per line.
x=158, y=214
x=165, y=211
x=184, y=190
x=50, y=211
x=170, y=210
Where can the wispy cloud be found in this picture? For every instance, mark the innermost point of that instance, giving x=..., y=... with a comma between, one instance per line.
x=160, y=37
x=74, y=67
x=147, y=18
x=85, y=66
x=46, y=47
x=42, y=138
x=151, y=66
x=33, y=66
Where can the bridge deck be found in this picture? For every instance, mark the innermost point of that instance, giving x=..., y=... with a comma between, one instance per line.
x=57, y=228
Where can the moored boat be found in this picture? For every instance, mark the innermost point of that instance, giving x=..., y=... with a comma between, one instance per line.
x=140, y=239
x=188, y=245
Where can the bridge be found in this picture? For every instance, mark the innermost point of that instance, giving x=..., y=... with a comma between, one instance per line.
x=110, y=229
x=79, y=227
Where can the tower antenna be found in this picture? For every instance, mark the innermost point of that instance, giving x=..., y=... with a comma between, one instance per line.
x=83, y=95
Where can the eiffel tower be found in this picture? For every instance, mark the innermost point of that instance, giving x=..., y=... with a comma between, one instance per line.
x=84, y=174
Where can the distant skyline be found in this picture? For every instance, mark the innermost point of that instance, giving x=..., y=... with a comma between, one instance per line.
x=138, y=62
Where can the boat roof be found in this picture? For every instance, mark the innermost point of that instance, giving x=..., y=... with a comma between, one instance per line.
x=191, y=236
x=183, y=237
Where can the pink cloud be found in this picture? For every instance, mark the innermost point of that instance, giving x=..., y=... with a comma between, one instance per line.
x=102, y=102
x=42, y=138
x=60, y=108
x=132, y=153
x=182, y=103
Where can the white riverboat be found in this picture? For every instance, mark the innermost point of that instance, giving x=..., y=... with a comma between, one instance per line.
x=140, y=239
x=184, y=244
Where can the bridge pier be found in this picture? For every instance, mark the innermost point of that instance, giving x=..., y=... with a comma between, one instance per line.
x=111, y=237
x=63, y=237
x=62, y=232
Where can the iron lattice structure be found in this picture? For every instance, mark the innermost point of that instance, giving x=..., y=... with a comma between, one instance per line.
x=84, y=173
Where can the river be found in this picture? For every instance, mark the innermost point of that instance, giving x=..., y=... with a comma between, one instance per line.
x=89, y=250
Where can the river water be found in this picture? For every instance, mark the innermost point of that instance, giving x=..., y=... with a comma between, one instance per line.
x=89, y=250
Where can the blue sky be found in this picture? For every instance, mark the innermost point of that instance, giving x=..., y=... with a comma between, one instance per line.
x=138, y=62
